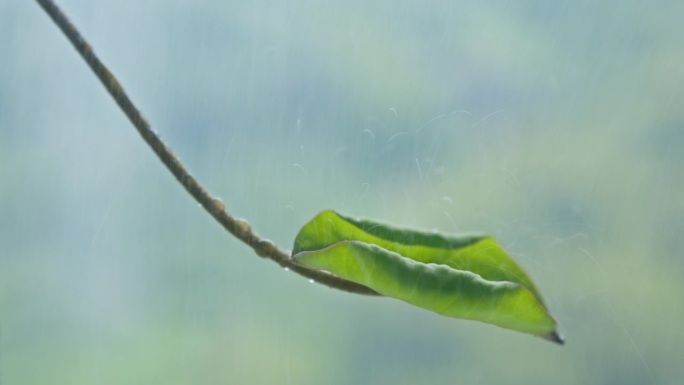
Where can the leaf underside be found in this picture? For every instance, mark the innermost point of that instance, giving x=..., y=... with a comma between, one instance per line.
x=467, y=276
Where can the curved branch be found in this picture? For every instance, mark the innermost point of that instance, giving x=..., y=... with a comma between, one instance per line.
x=214, y=206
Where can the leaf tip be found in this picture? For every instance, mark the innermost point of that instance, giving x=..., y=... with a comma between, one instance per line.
x=556, y=337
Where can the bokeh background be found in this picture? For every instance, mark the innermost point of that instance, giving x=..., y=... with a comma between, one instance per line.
x=558, y=127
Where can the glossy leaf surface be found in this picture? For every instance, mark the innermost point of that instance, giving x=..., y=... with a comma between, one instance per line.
x=469, y=276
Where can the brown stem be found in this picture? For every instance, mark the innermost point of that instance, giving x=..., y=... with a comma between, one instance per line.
x=237, y=227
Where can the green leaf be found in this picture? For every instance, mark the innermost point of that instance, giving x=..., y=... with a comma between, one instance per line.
x=468, y=276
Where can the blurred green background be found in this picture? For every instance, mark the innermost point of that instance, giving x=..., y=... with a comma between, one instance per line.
x=555, y=126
